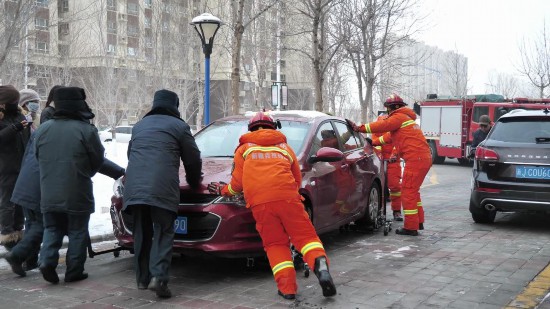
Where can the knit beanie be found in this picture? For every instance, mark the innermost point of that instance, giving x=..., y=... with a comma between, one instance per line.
x=26, y=95
x=8, y=95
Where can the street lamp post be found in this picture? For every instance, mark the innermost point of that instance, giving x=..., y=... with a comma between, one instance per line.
x=206, y=26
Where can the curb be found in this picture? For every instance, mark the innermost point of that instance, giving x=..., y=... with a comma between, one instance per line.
x=535, y=293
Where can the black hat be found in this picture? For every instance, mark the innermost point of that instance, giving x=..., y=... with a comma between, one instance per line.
x=9, y=95
x=166, y=100
x=71, y=101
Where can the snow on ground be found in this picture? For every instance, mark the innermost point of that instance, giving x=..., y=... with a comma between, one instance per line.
x=100, y=221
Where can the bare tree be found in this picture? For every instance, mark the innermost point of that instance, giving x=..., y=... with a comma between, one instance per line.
x=17, y=15
x=535, y=62
x=372, y=30
x=456, y=72
x=502, y=83
x=238, y=26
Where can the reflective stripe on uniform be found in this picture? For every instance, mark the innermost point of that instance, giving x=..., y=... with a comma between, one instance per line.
x=267, y=149
x=419, y=204
x=367, y=128
x=395, y=193
x=378, y=147
x=281, y=266
x=233, y=192
x=381, y=140
x=407, y=123
x=409, y=212
x=310, y=246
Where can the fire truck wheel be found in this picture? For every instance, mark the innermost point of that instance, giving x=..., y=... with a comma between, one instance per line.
x=435, y=158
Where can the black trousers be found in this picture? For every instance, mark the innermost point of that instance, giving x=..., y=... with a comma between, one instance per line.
x=153, y=241
x=56, y=226
x=11, y=215
x=27, y=249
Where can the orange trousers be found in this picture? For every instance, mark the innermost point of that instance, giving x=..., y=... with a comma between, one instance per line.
x=280, y=223
x=413, y=176
x=394, y=184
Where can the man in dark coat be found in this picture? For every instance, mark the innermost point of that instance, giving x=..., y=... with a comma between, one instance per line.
x=151, y=191
x=480, y=134
x=27, y=194
x=14, y=134
x=69, y=154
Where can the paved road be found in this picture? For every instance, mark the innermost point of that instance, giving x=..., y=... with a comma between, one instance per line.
x=455, y=263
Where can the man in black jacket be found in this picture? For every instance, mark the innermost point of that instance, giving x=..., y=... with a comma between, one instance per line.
x=14, y=134
x=480, y=134
x=69, y=153
x=151, y=191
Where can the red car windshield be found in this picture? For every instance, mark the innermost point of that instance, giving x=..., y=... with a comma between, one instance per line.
x=221, y=138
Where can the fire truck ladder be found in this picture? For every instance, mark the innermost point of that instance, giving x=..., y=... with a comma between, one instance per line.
x=465, y=127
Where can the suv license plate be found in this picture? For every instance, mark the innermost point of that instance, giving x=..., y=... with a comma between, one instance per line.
x=180, y=225
x=533, y=172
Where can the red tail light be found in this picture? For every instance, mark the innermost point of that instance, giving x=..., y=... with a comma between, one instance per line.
x=488, y=190
x=485, y=154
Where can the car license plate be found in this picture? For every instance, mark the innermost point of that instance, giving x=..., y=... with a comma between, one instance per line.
x=533, y=172
x=180, y=225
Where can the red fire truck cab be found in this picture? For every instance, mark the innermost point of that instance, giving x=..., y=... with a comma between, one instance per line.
x=448, y=123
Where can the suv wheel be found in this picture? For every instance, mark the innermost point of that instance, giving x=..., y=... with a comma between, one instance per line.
x=481, y=215
x=435, y=158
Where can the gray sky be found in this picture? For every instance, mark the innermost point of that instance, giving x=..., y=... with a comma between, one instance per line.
x=488, y=32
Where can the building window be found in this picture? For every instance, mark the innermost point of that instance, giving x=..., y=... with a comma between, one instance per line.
x=111, y=49
x=63, y=6
x=147, y=22
x=42, y=3
x=41, y=47
x=148, y=3
x=133, y=8
x=63, y=29
x=133, y=31
x=132, y=51
x=40, y=22
x=111, y=26
x=111, y=5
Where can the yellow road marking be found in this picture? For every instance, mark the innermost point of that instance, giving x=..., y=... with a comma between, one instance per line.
x=534, y=292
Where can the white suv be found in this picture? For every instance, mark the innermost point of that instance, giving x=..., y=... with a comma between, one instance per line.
x=123, y=134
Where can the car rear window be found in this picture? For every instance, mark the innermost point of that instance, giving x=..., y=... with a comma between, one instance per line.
x=521, y=130
x=222, y=138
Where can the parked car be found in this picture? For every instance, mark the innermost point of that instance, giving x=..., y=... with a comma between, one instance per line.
x=336, y=163
x=512, y=166
x=122, y=134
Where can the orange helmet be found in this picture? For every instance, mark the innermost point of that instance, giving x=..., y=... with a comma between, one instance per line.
x=394, y=99
x=261, y=119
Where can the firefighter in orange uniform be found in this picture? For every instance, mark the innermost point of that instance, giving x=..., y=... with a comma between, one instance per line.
x=403, y=132
x=267, y=172
x=390, y=155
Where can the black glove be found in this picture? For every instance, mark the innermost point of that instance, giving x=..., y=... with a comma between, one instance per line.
x=18, y=126
x=369, y=140
x=216, y=187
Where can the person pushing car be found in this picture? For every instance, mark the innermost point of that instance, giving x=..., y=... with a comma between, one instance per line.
x=403, y=132
x=266, y=170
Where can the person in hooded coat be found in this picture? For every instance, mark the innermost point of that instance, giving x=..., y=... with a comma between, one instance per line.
x=151, y=189
x=49, y=109
x=24, y=256
x=14, y=135
x=69, y=154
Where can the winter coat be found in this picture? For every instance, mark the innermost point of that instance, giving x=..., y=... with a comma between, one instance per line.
x=12, y=147
x=387, y=150
x=158, y=143
x=266, y=169
x=69, y=154
x=402, y=131
x=47, y=114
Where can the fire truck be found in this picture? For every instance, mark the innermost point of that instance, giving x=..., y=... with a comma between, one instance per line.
x=448, y=123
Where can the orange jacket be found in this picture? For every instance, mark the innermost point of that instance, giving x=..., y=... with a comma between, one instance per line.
x=403, y=132
x=387, y=150
x=265, y=169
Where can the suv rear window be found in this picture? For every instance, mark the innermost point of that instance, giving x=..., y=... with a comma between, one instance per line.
x=521, y=130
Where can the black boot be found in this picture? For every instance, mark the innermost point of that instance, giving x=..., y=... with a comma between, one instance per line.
x=421, y=226
x=397, y=216
x=406, y=232
x=160, y=288
x=15, y=265
x=286, y=296
x=49, y=274
x=325, y=280
x=31, y=263
x=75, y=278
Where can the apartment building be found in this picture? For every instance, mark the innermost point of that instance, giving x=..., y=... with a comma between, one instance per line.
x=121, y=51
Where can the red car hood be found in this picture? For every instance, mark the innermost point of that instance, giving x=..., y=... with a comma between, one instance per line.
x=213, y=170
